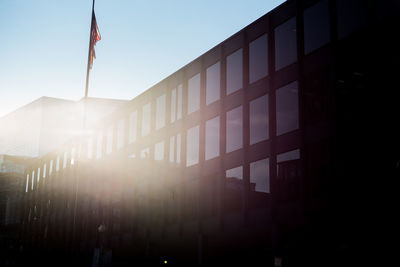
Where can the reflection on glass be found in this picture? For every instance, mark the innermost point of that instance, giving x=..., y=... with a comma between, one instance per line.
x=159, y=151
x=258, y=58
x=234, y=71
x=234, y=129
x=109, y=140
x=178, y=148
x=44, y=170
x=259, y=176
x=172, y=149
x=352, y=14
x=38, y=176
x=160, y=111
x=33, y=179
x=259, y=120
x=192, y=146
x=173, y=105
x=51, y=167
x=132, y=126
x=212, y=138
x=65, y=160
x=121, y=133
x=73, y=156
x=287, y=156
x=179, y=108
x=146, y=119
x=99, y=145
x=316, y=26
x=213, y=83
x=235, y=173
x=58, y=163
x=145, y=153
x=27, y=183
x=194, y=93
x=285, y=44
x=287, y=108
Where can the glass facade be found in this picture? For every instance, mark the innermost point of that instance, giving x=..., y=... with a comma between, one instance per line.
x=234, y=129
x=285, y=44
x=258, y=58
x=193, y=94
x=212, y=138
x=213, y=83
x=160, y=111
x=192, y=146
x=316, y=26
x=259, y=130
x=287, y=108
x=234, y=72
x=259, y=176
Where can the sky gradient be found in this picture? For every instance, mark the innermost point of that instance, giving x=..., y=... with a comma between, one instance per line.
x=44, y=44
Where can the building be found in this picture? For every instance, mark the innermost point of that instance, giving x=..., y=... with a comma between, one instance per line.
x=277, y=147
x=39, y=127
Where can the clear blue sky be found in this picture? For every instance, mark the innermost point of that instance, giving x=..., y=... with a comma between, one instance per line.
x=44, y=43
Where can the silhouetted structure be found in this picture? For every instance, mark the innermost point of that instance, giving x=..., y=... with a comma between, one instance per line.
x=277, y=147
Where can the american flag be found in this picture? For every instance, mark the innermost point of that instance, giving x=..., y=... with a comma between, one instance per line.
x=94, y=38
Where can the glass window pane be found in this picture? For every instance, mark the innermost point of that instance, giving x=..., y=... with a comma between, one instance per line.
x=179, y=108
x=173, y=104
x=38, y=176
x=285, y=44
x=58, y=163
x=352, y=14
x=160, y=111
x=109, y=139
x=121, y=133
x=33, y=180
x=159, y=151
x=259, y=120
x=213, y=83
x=65, y=160
x=99, y=145
x=192, y=146
x=258, y=58
x=44, y=170
x=194, y=93
x=172, y=149
x=132, y=126
x=145, y=153
x=212, y=138
x=259, y=176
x=51, y=167
x=235, y=173
x=27, y=183
x=73, y=156
x=287, y=109
x=234, y=72
x=178, y=148
x=316, y=26
x=146, y=119
x=234, y=129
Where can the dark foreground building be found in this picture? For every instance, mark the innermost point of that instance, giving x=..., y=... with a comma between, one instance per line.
x=278, y=147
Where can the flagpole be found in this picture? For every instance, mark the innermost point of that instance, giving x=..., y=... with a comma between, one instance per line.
x=89, y=52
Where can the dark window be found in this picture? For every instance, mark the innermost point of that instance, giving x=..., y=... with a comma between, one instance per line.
x=212, y=138
x=234, y=186
x=234, y=72
x=352, y=14
x=234, y=129
x=213, y=83
x=258, y=58
x=259, y=119
x=287, y=109
x=194, y=93
x=288, y=174
x=316, y=26
x=285, y=44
